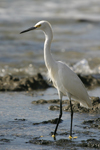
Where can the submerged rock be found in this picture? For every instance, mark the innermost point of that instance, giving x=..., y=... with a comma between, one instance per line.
x=61, y=142
x=54, y=101
x=41, y=101
x=52, y=121
x=66, y=143
x=54, y=107
x=40, y=142
x=94, y=123
x=4, y=140
x=76, y=106
x=91, y=143
x=20, y=119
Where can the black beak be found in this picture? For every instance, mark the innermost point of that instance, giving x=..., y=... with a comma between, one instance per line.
x=32, y=28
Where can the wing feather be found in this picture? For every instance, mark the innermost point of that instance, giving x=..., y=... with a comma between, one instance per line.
x=73, y=84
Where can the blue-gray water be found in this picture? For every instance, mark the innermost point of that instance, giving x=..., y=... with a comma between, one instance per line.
x=17, y=115
x=76, y=28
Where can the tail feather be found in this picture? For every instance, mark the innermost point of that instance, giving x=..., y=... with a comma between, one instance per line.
x=87, y=103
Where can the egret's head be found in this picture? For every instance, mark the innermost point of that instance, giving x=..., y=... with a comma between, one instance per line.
x=42, y=25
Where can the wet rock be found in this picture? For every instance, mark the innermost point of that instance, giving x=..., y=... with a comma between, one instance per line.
x=84, y=20
x=60, y=142
x=10, y=83
x=57, y=101
x=96, y=105
x=94, y=123
x=76, y=106
x=91, y=143
x=4, y=140
x=39, y=76
x=20, y=119
x=88, y=122
x=52, y=121
x=53, y=101
x=7, y=78
x=89, y=80
x=95, y=100
x=40, y=142
x=66, y=143
x=52, y=107
x=64, y=133
x=41, y=101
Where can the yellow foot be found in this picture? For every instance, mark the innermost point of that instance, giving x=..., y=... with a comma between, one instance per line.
x=41, y=136
x=75, y=137
x=70, y=137
x=53, y=136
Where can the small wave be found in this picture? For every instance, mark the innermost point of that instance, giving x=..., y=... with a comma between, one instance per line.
x=22, y=71
x=83, y=67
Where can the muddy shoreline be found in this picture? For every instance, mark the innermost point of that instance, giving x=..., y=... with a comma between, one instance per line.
x=11, y=83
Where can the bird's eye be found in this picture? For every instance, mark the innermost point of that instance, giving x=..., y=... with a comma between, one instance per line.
x=38, y=26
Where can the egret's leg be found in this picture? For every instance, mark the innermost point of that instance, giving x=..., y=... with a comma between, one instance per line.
x=71, y=118
x=60, y=115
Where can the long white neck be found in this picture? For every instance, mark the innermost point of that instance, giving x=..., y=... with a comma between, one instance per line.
x=49, y=61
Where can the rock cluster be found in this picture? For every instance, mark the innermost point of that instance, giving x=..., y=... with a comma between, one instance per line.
x=10, y=83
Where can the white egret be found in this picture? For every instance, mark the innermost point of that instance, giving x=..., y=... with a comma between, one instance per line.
x=64, y=79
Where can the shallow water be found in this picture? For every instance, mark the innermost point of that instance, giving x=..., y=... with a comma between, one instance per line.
x=17, y=115
x=76, y=27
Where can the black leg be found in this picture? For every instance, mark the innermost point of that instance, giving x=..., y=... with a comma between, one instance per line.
x=60, y=115
x=71, y=119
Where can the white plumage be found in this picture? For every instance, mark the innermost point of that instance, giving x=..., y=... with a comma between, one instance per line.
x=63, y=78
